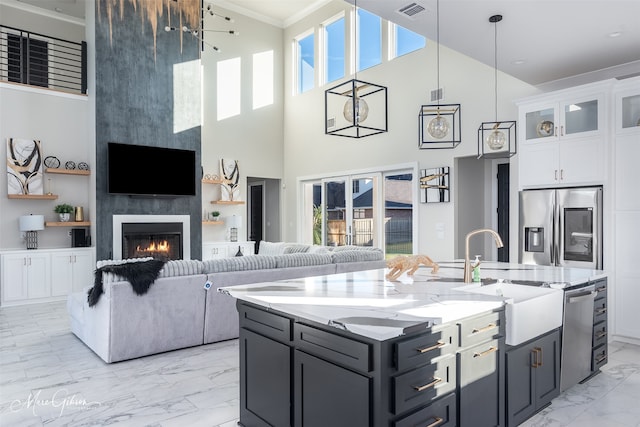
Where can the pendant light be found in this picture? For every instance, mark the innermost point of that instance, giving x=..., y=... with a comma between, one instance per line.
x=435, y=128
x=352, y=103
x=496, y=139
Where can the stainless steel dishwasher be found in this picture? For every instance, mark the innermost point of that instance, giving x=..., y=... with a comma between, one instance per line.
x=576, y=335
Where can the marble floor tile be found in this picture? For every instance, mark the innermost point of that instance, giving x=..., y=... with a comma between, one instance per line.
x=49, y=377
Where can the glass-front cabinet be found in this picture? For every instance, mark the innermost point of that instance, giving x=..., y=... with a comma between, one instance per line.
x=562, y=136
x=555, y=121
x=628, y=106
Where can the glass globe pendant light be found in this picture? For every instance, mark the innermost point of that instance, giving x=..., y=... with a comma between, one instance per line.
x=439, y=125
x=498, y=135
x=361, y=109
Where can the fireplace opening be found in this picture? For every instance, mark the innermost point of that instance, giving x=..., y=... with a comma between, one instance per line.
x=160, y=240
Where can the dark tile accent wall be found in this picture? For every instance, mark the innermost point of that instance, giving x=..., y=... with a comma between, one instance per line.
x=135, y=105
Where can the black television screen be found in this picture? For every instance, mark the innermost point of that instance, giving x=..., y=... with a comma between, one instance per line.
x=150, y=171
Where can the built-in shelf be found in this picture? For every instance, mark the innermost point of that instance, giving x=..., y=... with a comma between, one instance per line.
x=212, y=222
x=227, y=202
x=216, y=181
x=68, y=171
x=33, y=196
x=67, y=224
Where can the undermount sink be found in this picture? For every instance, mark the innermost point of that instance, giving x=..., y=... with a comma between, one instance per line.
x=530, y=311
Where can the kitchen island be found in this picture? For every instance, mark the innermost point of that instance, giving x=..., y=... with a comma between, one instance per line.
x=357, y=350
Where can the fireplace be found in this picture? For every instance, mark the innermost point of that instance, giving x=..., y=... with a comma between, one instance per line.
x=160, y=240
x=165, y=237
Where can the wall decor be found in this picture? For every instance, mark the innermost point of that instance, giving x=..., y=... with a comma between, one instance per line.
x=83, y=166
x=434, y=185
x=52, y=162
x=155, y=13
x=70, y=165
x=24, y=166
x=230, y=173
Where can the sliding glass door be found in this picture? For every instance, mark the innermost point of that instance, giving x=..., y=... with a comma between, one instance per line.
x=369, y=209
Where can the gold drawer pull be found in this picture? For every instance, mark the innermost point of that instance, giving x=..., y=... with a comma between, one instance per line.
x=435, y=381
x=485, y=329
x=601, y=334
x=433, y=347
x=601, y=358
x=437, y=422
x=490, y=350
x=601, y=310
x=602, y=289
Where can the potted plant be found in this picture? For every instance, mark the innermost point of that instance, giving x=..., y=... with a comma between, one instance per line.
x=215, y=215
x=64, y=211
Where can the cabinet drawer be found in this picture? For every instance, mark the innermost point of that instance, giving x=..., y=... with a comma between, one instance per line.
x=332, y=347
x=423, y=349
x=478, y=362
x=268, y=324
x=600, y=310
x=599, y=334
x=424, y=384
x=599, y=357
x=481, y=328
x=601, y=289
x=441, y=413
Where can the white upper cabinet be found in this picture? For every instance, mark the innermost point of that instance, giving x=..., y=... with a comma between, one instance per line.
x=563, y=137
x=627, y=100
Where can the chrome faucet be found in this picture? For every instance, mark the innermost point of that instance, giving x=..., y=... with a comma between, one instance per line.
x=467, y=261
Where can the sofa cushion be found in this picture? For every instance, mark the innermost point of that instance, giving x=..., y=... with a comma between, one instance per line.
x=181, y=267
x=354, y=248
x=271, y=248
x=302, y=260
x=257, y=262
x=295, y=248
x=318, y=249
x=357, y=255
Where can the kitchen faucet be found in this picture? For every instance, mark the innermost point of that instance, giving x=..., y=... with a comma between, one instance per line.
x=467, y=261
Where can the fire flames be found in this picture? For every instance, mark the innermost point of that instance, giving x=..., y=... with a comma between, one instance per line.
x=162, y=247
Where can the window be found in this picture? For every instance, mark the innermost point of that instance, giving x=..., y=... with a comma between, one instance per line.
x=262, y=79
x=333, y=49
x=369, y=42
x=405, y=41
x=305, y=62
x=228, y=88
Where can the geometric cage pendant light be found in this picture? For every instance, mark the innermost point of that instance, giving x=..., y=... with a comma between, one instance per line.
x=355, y=108
x=496, y=139
x=439, y=124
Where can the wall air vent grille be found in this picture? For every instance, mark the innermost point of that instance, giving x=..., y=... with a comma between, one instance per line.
x=331, y=122
x=437, y=95
x=411, y=10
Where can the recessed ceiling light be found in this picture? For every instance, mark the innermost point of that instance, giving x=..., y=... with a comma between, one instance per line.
x=615, y=34
x=57, y=9
x=518, y=61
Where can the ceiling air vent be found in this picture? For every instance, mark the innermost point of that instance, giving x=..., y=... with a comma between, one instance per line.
x=410, y=10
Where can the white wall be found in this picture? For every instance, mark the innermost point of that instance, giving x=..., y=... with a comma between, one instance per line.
x=308, y=151
x=254, y=137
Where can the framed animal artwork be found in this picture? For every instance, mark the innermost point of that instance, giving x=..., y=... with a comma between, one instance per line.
x=230, y=175
x=24, y=167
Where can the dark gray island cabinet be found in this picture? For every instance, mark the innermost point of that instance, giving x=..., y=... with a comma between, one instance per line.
x=297, y=372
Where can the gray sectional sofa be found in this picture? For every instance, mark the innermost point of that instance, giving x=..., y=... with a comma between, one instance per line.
x=178, y=312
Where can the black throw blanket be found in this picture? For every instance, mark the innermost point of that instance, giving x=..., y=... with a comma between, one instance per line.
x=140, y=274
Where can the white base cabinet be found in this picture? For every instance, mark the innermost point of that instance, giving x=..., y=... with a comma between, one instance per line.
x=40, y=275
x=216, y=250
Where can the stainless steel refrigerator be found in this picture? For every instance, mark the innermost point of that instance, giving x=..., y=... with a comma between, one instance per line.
x=561, y=227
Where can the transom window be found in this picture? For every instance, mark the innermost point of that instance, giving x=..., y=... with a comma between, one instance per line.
x=404, y=41
x=304, y=53
x=369, y=39
x=333, y=51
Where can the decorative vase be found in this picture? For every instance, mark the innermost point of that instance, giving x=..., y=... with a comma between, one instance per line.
x=64, y=217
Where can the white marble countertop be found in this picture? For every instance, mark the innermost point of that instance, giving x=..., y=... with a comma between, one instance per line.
x=367, y=304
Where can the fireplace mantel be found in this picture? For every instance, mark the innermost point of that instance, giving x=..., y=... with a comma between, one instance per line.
x=118, y=220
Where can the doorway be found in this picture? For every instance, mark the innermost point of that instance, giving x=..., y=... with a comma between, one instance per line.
x=263, y=210
x=503, y=210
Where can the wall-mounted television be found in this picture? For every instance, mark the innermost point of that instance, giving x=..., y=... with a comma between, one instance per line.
x=141, y=170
